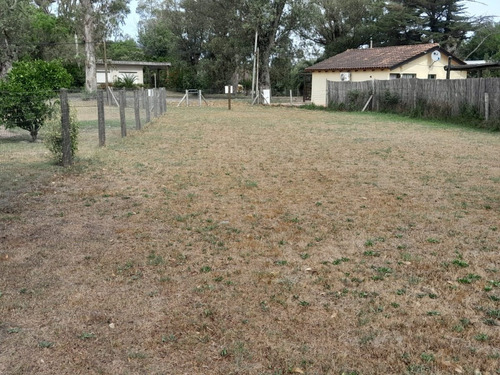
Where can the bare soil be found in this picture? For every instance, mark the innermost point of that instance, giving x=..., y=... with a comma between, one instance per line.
x=254, y=241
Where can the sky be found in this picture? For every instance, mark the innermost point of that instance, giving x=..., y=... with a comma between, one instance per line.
x=474, y=8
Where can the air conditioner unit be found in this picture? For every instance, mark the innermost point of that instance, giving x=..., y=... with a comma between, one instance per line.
x=345, y=76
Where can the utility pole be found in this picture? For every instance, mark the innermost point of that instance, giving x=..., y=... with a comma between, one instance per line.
x=254, y=64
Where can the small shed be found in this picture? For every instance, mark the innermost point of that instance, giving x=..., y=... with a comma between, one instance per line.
x=422, y=61
x=120, y=69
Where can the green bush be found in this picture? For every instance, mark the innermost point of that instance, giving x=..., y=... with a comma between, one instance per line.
x=127, y=82
x=26, y=93
x=389, y=102
x=52, y=135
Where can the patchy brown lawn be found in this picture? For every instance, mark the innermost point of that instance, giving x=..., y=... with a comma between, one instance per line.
x=254, y=241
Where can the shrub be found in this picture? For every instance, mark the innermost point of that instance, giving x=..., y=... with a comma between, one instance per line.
x=53, y=134
x=389, y=101
x=26, y=93
x=127, y=81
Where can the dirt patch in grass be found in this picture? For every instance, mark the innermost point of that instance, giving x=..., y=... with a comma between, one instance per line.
x=254, y=241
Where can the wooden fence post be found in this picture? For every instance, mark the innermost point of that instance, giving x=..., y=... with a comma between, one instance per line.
x=327, y=98
x=486, y=106
x=160, y=101
x=148, y=107
x=156, y=102
x=66, y=131
x=123, y=103
x=163, y=98
x=101, y=125
x=136, y=110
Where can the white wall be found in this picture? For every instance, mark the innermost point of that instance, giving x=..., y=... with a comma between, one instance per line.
x=116, y=71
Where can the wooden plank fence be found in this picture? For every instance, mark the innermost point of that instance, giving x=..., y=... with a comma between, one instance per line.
x=479, y=97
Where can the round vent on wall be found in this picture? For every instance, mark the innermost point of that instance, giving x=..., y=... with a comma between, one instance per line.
x=436, y=56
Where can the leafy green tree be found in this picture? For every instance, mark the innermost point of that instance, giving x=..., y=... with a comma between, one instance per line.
x=275, y=21
x=338, y=25
x=51, y=37
x=424, y=21
x=93, y=20
x=211, y=42
x=15, y=29
x=157, y=27
x=123, y=50
x=484, y=44
x=26, y=93
x=397, y=24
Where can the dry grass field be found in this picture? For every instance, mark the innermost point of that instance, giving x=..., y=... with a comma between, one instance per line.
x=261, y=240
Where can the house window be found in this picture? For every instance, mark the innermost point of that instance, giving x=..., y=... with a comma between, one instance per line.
x=394, y=76
x=431, y=76
x=409, y=75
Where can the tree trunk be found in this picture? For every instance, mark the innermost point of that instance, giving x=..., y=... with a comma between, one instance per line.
x=269, y=39
x=9, y=56
x=34, y=135
x=265, y=77
x=88, y=34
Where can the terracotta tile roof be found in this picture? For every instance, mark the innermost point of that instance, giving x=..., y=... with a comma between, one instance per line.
x=375, y=58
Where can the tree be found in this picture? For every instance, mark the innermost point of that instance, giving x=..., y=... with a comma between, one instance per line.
x=204, y=39
x=94, y=21
x=275, y=21
x=484, y=44
x=424, y=21
x=123, y=50
x=15, y=29
x=29, y=31
x=338, y=25
x=26, y=92
x=51, y=37
x=211, y=42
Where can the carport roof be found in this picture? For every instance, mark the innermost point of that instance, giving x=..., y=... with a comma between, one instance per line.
x=149, y=64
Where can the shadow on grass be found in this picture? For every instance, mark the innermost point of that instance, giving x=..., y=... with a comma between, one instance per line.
x=15, y=138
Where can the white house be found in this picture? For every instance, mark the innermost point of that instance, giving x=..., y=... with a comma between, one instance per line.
x=120, y=69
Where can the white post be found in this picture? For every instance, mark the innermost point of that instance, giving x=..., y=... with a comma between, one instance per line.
x=187, y=98
x=254, y=64
x=257, y=88
x=199, y=96
x=291, y=98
